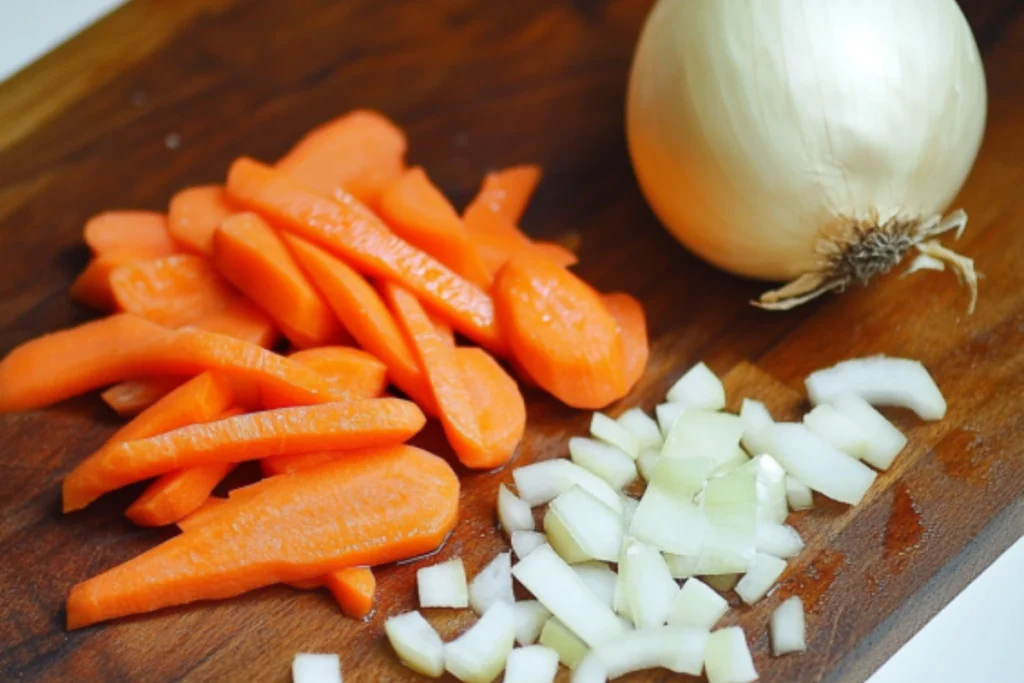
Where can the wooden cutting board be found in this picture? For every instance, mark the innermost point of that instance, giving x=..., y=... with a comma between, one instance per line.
x=159, y=96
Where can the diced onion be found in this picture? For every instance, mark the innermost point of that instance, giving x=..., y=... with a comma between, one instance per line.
x=787, y=627
x=580, y=528
x=646, y=463
x=513, y=514
x=590, y=670
x=884, y=441
x=771, y=489
x=649, y=585
x=880, y=380
x=813, y=461
x=701, y=433
x=677, y=648
x=723, y=582
x=779, y=540
x=530, y=619
x=759, y=579
x=730, y=519
x=600, y=579
x=727, y=658
x=443, y=585
x=478, y=655
x=667, y=414
x=525, y=542
x=755, y=417
x=611, y=432
x=416, y=643
x=697, y=605
x=667, y=516
x=492, y=584
x=643, y=428
x=316, y=668
x=606, y=461
x=541, y=482
x=698, y=388
x=838, y=429
x=798, y=495
x=534, y=664
x=629, y=506
x=739, y=458
x=571, y=650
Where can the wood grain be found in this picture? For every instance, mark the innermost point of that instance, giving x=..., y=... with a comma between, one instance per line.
x=480, y=85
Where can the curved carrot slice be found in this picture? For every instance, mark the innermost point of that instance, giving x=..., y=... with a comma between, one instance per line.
x=171, y=291
x=629, y=314
x=555, y=253
x=195, y=213
x=307, y=525
x=63, y=364
x=241, y=320
x=365, y=315
x=92, y=286
x=360, y=153
x=561, y=333
x=251, y=256
x=420, y=214
x=443, y=329
x=135, y=395
x=349, y=229
x=201, y=515
x=497, y=401
x=353, y=588
x=497, y=239
x=286, y=464
x=143, y=234
x=330, y=426
x=176, y=494
x=508, y=191
x=352, y=372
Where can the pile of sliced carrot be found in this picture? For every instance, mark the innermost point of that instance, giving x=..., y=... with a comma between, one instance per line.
x=372, y=279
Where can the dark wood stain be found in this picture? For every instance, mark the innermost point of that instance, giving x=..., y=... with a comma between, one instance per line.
x=814, y=582
x=904, y=531
x=962, y=458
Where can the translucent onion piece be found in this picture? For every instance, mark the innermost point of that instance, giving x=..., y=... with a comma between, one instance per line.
x=798, y=495
x=699, y=388
x=738, y=459
x=771, y=489
x=787, y=627
x=611, y=432
x=492, y=584
x=759, y=579
x=534, y=664
x=600, y=579
x=629, y=506
x=646, y=462
x=580, y=528
x=541, y=482
x=723, y=582
x=667, y=414
x=416, y=643
x=649, y=585
x=880, y=380
x=779, y=540
x=677, y=648
x=667, y=517
x=838, y=429
x=755, y=417
x=727, y=658
x=478, y=655
x=525, y=542
x=700, y=433
x=513, y=514
x=316, y=668
x=730, y=519
x=571, y=650
x=643, y=428
x=606, y=461
x=530, y=619
x=813, y=461
x=590, y=670
x=884, y=441
x=697, y=605
x=443, y=585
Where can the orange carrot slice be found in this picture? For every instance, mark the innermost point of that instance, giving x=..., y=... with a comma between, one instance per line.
x=171, y=291
x=201, y=515
x=365, y=315
x=359, y=153
x=443, y=329
x=555, y=253
x=307, y=525
x=353, y=588
x=497, y=240
x=195, y=213
x=92, y=286
x=63, y=364
x=420, y=214
x=629, y=314
x=330, y=426
x=508, y=191
x=352, y=372
x=286, y=464
x=241, y=320
x=561, y=333
x=135, y=395
x=499, y=405
x=143, y=234
x=249, y=253
x=352, y=231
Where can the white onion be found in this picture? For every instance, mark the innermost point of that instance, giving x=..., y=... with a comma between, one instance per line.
x=755, y=417
x=759, y=579
x=727, y=658
x=513, y=514
x=557, y=636
x=580, y=528
x=606, y=461
x=881, y=381
x=541, y=482
x=814, y=142
x=647, y=461
x=590, y=670
x=667, y=414
x=697, y=605
x=817, y=464
x=492, y=584
x=530, y=618
x=643, y=428
x=611, y=432
x=478, y=655
x=600, y=579
x=668, y=517
x=787, y=627
x=629, y=506
x=416, y=643
x=730, y=518
x=649, y=585
x=701, y=433
x=798, y=494
x=771, y=489
x=884, y=441
x=698, y=389
x=316, y=668
x=838, y=429
x=779, y=540
x=525, y=542
x=443, y=585
x=738, y=459
x=534, y=664
x=677, y=648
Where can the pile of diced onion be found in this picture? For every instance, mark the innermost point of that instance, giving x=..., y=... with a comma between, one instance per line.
x=604, y=572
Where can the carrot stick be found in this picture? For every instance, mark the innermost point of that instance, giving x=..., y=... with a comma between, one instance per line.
x=242, y=320
x=365, y=315
x=352, y=231
x=359, y=153
x=286, y=464
x=171, y=291
x=629, y=315
x=417, y=211
x=92, y=286
x=330, y=426
x=205, y=512
x=459, y=406
x=135, y=395
x=555, y=253
x=497, y=239
x=352, y=372
x=195, y=213
x=143, y=234
x=443, y=329
x=497, y=401
x=353, y=588
x=508, y=191
x=561, y=333
x=57, y=366
x=309, y=524
x=249, y=253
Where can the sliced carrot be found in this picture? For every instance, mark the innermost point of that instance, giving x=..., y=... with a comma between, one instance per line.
x=365, y=315
x=205, y=512
x=63, y=364
x=352, y=231
x=629, y=315
x=285, y=464
x=330, y=426
x=241, y=320
x=360, y=153
x=135, y=395
x=195, y=213
x=353, y=588
x=443, y=329
x=355, y=512
x=561, y=333
x=177, y=494
x=420, y=214
x=508, y=191
x=478, y=443
x=92, y=286
x=353, y=372
x=143, y=234
x=171, y=291
x=555, y=253
x=498, y=240
x=249, y=253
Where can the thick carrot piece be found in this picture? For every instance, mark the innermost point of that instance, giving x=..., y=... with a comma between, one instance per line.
x=555, y=253
x=498, y=403
x=195, y=213
x=365, y=315
x=144, y=234
x=201, y=515
x=171, y=291
x=629, y=314
x=176, y=494
x=284, y=431
x=286, y=464
x=242, y=320
x=561, y=333
x=359, y=153
x=497, y=239
x=352, y=231
x=507, y=192
x=353, y=588
x=352, y=372
x=307, y=525
x=135, y=395
x=420, y=214
x=63, y=364
x=92, y=286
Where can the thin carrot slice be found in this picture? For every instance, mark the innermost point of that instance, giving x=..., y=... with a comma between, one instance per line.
x=171, y=291
x=359, y=153
x=365, y=315
x=349, y=229
x=561, y=333
x=353, y=372
x=555, y=253
x=241, y=320
x=92, y=286
x=195, y=213
x=330, y=426
x=420, y=214
x=508, y=191
x=629, y=314
x=135, y=395
x=498, y=240
x=353, y=588
x=286, y=464
x=307, y=525
x=143, y=234
x=249, y=253
x=63, y=364
x=443, y=329
x=497, y=401
x=177, y=494
x=205, y=512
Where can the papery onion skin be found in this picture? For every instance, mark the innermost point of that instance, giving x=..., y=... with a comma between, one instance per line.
x=764, y=132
